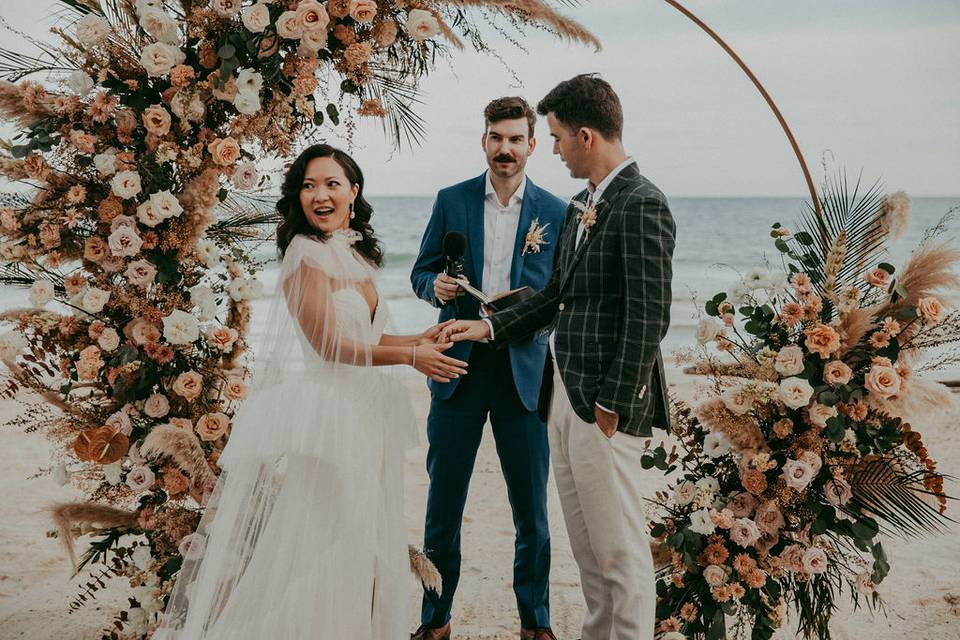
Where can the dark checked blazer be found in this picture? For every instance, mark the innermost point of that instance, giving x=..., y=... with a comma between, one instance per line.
x=609, y=303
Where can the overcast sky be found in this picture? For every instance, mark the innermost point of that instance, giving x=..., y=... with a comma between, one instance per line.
x=874, y=84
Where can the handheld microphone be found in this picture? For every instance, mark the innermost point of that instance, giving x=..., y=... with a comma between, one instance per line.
x=454, y=246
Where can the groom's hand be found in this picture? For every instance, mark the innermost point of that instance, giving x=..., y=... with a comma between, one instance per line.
x=462, y=330
x=606, y=420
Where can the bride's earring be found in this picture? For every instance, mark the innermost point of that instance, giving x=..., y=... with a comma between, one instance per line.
x=352, y=214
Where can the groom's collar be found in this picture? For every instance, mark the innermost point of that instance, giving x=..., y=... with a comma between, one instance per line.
x=596, y=193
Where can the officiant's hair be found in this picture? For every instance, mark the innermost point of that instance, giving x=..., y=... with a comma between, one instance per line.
x=295, y=222
x=509, y=108
x=586, y=100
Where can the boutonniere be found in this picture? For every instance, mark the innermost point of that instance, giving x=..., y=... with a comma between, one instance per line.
x=587, y=216
x=536, y=237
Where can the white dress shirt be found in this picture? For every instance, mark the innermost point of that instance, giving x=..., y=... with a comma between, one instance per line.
x=500, y=225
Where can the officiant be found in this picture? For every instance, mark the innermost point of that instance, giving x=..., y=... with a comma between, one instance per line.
x=506, y=229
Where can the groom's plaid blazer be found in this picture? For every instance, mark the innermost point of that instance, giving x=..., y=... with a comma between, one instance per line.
x=609, y=303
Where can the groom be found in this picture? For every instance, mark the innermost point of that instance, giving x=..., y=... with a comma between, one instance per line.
x=608, y=303
x=496, y=211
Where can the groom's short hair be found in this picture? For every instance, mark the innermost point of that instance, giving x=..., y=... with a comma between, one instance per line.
x=586, y=101
x=509, y=108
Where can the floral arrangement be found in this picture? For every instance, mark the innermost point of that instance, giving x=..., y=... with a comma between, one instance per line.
x=799, y=456
x=139, y=158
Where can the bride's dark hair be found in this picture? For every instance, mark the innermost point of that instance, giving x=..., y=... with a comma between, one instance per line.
x=295, y=222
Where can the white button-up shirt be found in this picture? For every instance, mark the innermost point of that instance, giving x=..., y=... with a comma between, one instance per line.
x=596, y=193
x=500, y=225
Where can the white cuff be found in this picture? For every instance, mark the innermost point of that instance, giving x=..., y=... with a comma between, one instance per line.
x=489, y=324
x=603, y=408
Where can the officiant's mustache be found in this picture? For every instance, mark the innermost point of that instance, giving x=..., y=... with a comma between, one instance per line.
x=504, y=158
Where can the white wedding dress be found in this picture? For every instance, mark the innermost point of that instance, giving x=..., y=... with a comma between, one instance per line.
x=304, y=535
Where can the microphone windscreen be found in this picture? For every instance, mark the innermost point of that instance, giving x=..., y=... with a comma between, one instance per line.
x=454, y=244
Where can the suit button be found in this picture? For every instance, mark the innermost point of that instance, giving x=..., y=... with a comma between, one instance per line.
x=561, y=307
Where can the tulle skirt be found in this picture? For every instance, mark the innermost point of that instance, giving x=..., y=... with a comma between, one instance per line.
x=304, y=535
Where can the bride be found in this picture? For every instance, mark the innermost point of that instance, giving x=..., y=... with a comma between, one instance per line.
x=303, y=536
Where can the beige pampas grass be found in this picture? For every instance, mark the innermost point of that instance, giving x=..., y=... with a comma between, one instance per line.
x=536, y=11
x=834, y=264
x=929, y=269
x=66, y=515
x=425, y=570
x=183, y=449
x=918, y=397
x=854, y=325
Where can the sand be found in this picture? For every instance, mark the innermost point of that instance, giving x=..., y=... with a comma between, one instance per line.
x=922, y=592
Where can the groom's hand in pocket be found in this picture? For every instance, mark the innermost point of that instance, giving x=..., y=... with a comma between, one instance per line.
x=606, y=420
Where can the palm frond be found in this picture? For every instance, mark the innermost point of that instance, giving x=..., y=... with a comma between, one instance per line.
x=855, y=209
x=398, y=97
x=14, y=275
x=882, y=489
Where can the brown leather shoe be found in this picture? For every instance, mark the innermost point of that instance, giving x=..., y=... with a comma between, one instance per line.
x=426, y=633
x=537, y=634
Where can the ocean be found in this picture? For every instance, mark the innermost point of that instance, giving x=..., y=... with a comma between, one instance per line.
x=717, y=239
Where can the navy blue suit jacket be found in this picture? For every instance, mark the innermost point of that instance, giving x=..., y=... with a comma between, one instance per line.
x=460, y=208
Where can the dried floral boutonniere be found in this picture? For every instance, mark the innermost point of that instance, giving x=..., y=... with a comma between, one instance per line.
x=536, y=237
x=587, y=216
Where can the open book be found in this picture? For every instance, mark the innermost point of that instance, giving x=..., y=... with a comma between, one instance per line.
x=498, y=301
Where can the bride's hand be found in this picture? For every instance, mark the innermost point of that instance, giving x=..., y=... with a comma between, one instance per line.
x=431, y=362
x=430, y=335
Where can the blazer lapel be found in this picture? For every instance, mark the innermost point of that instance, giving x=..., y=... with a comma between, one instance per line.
x=626, y=176
x=528, y=209
x=475, y=225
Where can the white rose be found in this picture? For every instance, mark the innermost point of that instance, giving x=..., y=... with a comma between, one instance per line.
x=142, y=557
x=757, y=279
x=156, y=406
x=795, y=392
x=80, y=83
x=247, y=103
x=789, y=361
x=166, y=204
x=159, y=25
x=159, y=58
x=256, y=18
x=41, y=293
x=251, y=289
x=684, y=493
x=147, y=215
x=708, y=485
x=226, y=8
x=797, y=474
x=124, y=242
x=91, y=29
x=249, y=81
x=149, y=598
x=125, y=184
x=745, y=532
x=715, y=445
x=109, y=339
x=111, y=473
x=708, y=330
x=140, y=478
x=180, y=327
x=701, y=523
x=422, y=25
x=94, y=300
x=208, y=253
x=120, y=422
x=202, y=297
x=820, y=413
x=288, y=26
x=737, y=400
x=245, y=176
x=814, y=560
x=106, y=163
x=312, y=41
x=12, y=344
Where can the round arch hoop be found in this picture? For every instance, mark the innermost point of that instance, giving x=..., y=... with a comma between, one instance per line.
x=766, y=96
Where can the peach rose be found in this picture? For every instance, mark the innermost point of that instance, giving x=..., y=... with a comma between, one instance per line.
x=422, y=25
x=789, y=361
x=818, y=414
x=212, y=426
x=312, y=16
x=930, y=309
x=225, y=151
x=797, y=474
x=174, y=482
x=715, y=575
x=89, y=364
x=188, y=385
x=223, y=337
x=744, y=532
x=878, y=278
x=182, y=423
x=95, y=249
x=156, y=120
x=143, y=332
x=795, y=392
x=385, y=33
x=769, y=519
x=882, y=381
x=822, y=339
x=235, y=388
x=363, y=11
x=814, y=560
x=837, y=372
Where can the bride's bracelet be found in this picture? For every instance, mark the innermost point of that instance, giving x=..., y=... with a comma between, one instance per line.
x=413, y=349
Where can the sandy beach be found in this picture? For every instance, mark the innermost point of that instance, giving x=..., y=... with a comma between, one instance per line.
x=922, y=592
